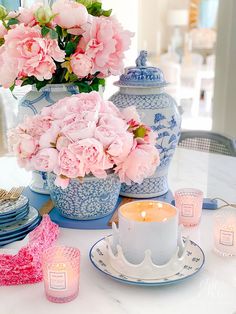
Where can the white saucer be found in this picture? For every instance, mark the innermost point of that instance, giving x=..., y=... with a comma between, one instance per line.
x=194, y=261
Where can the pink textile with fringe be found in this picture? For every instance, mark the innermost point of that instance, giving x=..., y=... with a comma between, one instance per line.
x=25, y=267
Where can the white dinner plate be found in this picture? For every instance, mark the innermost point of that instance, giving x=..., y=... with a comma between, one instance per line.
x=194, y=261
x=10, y=206
x=20, y=224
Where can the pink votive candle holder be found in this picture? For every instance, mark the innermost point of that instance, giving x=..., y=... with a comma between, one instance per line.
x=61, y=267
x=225, y=232
x=189, y=203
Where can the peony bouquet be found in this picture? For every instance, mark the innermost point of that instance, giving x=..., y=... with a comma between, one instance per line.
x=83, y=135
x=71, y=42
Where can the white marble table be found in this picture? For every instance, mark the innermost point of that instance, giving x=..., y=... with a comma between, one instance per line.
x=211, y=291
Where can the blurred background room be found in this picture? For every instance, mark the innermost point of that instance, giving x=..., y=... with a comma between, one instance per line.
x=192, y=41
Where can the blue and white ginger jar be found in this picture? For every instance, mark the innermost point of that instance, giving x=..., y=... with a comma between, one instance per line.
x=31, y=104
x=143, y=86
x=85, y=199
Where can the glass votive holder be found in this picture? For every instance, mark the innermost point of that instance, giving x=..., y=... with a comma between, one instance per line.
x=189, y=203
x=225, y=232
x=61, y=266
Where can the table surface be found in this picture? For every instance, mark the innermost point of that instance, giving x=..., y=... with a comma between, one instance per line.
x=212, y=290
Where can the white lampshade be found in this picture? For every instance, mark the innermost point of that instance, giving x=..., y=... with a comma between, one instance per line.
x=178, y=17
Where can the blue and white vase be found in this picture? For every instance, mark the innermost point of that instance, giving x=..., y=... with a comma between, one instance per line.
x=144, y=87
x=86, y=199
x=31, y=104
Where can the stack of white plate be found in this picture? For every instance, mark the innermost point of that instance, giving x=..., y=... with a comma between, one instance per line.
x=17, y=219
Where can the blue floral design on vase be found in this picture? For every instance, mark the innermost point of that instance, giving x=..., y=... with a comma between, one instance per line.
x=86, y=199
x=31, y=104
x=143, y=87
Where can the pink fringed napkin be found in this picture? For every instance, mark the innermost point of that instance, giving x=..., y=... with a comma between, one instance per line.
x=25, y=267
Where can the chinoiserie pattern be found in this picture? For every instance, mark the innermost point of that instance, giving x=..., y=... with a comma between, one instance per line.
x=160, y=112
x=89, y=198
x=33, y=102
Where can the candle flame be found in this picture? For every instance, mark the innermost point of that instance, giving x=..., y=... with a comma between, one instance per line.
x=143, y=214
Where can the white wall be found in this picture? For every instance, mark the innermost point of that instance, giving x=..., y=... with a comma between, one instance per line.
x=127, y=13
x=153, y=19
x=224, y=104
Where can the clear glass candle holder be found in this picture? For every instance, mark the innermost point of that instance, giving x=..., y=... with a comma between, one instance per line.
x=189, y=204
x=61, y=266
x=225, y=232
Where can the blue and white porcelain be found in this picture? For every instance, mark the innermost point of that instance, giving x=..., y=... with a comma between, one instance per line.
x=13, y=207
x=193, y=262
x=85, y=199
x=31, y=104
x=30, y=219
x=143, y=86
x=12, y=219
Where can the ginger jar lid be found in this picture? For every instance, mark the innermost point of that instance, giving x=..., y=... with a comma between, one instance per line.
x=142, y=76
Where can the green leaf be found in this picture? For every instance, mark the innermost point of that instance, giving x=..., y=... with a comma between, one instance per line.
x=106, y=12
x=101, y=82
x=45, y=30
x=140, y=132
x=12, y=21
x=12, y=87
x=40, y=84
x=84, y=87
x=96, y=83
x=95, y=9
x=53, y=34
x=28, y=81
x=59, y=30
x=67, y=75
x=73, y=77
x=70, y=47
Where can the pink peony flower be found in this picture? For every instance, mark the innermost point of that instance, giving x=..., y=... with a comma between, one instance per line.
x=131, y=114
x=49, y=137
x=110, y=108
x=81, y=64
x=105, y=134
x=3, y=30
x=30, y=53
x=141, y=163
x=62, y=182
x=83, y=134
x=46, y=159
x=23, y=145
x=62, y=141
x=121, y=147
x=113, y=122
x=8, y=77
x=27, y=16
x=91, y=152
x=89, y=101
x=79, y=130
x=37, y=125
x=54, y=51
x=70, y=14
x=69, y=165
x=105, y=42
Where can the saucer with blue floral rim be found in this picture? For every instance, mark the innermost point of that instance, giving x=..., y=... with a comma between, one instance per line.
x=194, y=260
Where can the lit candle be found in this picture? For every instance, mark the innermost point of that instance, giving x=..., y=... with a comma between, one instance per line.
x=61, y=273
x=225, y=232
x=147, y=225
x=189, y=203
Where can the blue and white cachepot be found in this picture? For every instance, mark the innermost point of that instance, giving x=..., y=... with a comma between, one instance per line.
x=143, y=86
x=31, y=104
x=86, y=199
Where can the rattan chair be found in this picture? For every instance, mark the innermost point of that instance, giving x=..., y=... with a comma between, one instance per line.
x=207, y=142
